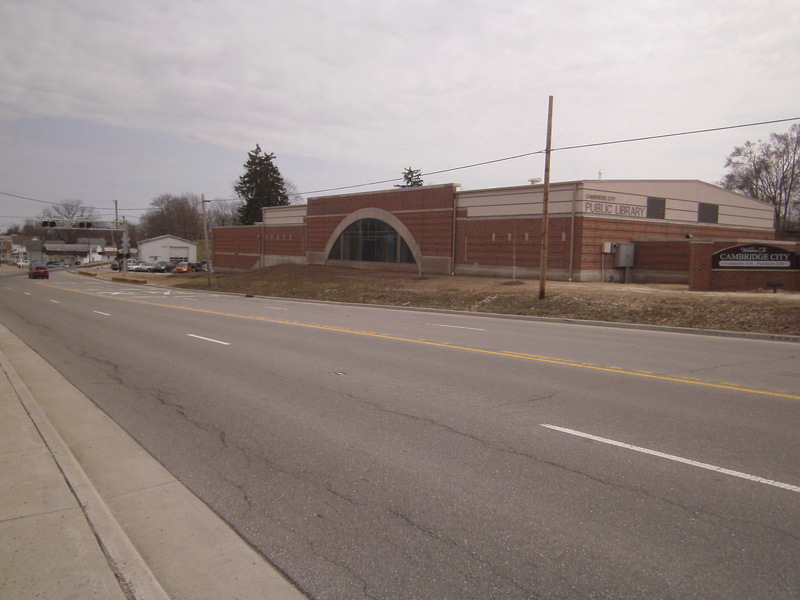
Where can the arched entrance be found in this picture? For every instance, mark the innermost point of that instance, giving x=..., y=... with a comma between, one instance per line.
x=372, y=235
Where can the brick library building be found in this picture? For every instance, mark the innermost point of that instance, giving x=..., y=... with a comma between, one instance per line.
x=634, y=231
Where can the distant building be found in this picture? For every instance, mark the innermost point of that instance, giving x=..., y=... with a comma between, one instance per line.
x=12, y=249
x=87, y=251
x=167, y=248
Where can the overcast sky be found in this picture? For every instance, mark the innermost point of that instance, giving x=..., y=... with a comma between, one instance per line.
x=114, y=99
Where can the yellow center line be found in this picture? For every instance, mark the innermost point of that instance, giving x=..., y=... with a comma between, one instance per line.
x=509, y=354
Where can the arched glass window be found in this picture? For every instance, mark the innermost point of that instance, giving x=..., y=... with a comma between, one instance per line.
x=371, y=240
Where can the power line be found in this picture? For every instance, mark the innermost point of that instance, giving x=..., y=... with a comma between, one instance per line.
x=667, y=135
x=31, y=199
x=576, y=147
x=97, y=208
x=471, y=165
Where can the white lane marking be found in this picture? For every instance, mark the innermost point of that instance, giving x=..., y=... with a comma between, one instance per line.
x=101, y=313
x=276, y=308
x=55, y=301
x=27, y=293
x=686, y=461
x=200, y=337
x=455, y=326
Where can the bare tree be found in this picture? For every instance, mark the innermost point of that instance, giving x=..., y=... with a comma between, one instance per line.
x=294, y=196
x=222, y=213
x=66, y=214
x=173, y=215
x=770, y=171
x=70, y=211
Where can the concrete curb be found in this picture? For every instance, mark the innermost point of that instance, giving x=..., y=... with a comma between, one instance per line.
x=131, y=571
x=128, y=280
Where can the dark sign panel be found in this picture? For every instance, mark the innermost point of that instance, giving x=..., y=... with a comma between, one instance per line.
x=755, y=256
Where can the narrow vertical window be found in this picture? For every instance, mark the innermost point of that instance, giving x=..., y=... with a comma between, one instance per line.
x=707, y=213
x=656, y=208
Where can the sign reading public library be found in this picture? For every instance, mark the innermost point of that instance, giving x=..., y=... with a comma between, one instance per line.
x=754, y=256
x=603, y=204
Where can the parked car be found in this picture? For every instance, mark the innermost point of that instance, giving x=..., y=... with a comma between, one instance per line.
x=142, y=267
x=23, y=264
x=132, y=263
x=57, y=265
x=115, y=266
x=162, y=266
x=182, y=267
x=38, y=271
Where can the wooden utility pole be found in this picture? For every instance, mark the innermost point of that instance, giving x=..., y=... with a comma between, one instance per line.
x=205, y=238
x=546, y=200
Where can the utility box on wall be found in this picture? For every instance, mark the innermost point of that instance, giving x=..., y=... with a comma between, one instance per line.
x=623, y=255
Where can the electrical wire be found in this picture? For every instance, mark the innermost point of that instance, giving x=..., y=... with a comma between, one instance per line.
x=576, y=147
x=668, y=135
x=473, y=165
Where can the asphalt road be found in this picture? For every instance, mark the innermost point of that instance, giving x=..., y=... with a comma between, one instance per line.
x=399, y=454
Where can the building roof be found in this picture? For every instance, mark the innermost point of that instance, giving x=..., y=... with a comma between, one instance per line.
x=161, y=237
x=69, y=248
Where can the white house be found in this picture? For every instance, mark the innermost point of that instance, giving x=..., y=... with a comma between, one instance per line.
x=88, y=251
x=167, y=248
x=12, y=249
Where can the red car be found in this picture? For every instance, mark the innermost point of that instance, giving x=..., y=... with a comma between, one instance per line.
x=182, y=267
x=38, y=272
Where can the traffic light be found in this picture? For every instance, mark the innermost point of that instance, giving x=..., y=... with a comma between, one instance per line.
x=48, y=224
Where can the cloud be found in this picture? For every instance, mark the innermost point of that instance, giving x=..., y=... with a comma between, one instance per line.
x=384, y=84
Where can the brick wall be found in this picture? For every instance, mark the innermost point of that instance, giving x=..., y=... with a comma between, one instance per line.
x=285, y=240
x=427, y=212
x=660, y=255
x=241, y=248
x=596, y=231
x=508, y=241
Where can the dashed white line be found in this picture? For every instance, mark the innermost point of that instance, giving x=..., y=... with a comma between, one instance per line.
x=55, y=301
x=454, y=326
x=101, y=313
x=686, y=461
x=200, y=337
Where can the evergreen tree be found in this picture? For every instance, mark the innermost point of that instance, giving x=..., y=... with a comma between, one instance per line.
x=261, y=185
x=411, y=178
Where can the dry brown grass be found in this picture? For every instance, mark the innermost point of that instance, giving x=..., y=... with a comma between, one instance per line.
x=670, y=305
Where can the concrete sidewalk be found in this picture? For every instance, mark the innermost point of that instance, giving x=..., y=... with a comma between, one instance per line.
x=85, y=512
